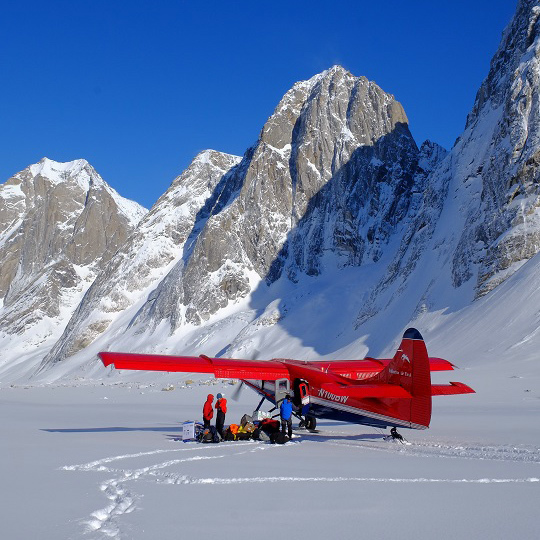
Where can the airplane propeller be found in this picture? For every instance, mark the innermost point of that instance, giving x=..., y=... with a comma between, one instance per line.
x=238, y=391
x=236, y=394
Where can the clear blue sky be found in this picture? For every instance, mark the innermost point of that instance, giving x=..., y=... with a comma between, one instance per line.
x=138, y=88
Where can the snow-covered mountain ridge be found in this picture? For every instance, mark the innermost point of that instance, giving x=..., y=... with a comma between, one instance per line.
x=329, y=236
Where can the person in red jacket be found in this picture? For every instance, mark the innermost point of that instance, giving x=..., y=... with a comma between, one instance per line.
x=221, y=408
x=208, y=411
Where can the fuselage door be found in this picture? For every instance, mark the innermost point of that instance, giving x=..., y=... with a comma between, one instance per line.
x=304, y=393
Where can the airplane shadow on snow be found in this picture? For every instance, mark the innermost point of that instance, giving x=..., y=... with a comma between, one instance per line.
x=109, y=429
x=176, y=435
x=316, y=437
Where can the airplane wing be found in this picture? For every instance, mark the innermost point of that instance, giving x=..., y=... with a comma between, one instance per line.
x=270, y=370
x=361, y=369
x=221, y=367
x=435, y=364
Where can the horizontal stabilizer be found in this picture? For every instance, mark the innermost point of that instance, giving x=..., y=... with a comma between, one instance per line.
x=361, y=391
x=450, y=389
x=440, y=364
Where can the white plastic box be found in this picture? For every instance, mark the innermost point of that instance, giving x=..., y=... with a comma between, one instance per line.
x=188, y=431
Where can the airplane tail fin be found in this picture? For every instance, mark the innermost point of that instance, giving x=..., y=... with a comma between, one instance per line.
x=410, y=369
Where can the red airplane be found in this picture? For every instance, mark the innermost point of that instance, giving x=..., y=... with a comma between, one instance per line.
x=374, y=392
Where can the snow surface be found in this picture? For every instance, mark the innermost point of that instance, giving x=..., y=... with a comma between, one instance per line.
x=97, y=461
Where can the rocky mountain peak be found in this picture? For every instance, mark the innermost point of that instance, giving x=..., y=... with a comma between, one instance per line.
x=59, y=224
x=349, y=99
x=336, y=135
x=139, y=266
x=430, y=155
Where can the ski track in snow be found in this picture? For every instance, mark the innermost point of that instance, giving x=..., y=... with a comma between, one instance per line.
x=447, y=450
x=255, y=480
x=123, y=501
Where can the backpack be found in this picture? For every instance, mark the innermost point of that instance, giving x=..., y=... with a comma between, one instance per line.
x=205, y=436
x=210, y=435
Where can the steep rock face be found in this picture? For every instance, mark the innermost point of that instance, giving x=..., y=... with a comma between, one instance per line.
x=332, y=170
x=413, y=239
x=141, y=262
x=499, y=153
x=478, y=218
x=59, y=224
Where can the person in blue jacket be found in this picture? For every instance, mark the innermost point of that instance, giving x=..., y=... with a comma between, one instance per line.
x=285, y=412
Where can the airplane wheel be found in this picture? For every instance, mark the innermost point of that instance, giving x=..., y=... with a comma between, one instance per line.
x=311, y=422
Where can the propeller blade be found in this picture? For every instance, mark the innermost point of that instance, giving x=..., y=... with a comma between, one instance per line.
x=238, y=391
x=236, y=394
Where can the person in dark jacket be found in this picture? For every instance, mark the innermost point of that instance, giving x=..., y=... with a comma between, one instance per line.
x=208, y=410
x=221, y=408
x=285, y=412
